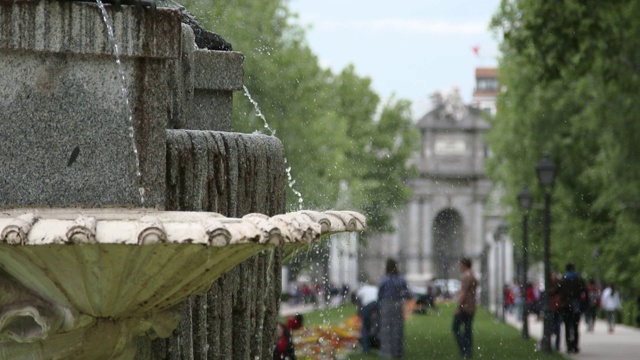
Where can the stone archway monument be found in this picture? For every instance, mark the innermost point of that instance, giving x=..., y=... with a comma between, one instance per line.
x=445, y=217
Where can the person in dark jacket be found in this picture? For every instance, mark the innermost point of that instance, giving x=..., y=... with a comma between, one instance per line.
x=556, y=307
x=392, y=293
x=466, y=309
x=573, y=293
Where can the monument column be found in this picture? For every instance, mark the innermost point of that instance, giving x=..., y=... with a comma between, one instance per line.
x=411, y=257
x=427, y=237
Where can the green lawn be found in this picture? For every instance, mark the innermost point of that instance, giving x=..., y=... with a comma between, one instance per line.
x=430, y=337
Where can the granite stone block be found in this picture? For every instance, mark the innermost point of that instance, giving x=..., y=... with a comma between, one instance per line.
x=218, y=70
x=66, y=122
x=77, y=27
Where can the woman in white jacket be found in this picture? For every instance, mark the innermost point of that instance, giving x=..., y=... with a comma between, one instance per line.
x=610, y=303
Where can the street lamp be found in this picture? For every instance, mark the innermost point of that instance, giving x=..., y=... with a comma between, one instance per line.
x=501, y=230
x=525, y=200
x=546, y=172
x=596, y=258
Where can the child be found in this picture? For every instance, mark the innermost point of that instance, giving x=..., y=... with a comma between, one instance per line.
x=284, y=349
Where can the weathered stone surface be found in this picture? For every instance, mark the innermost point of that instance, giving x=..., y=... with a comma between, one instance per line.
x=218, y=70
x=181, y=82
x=233, y=174
x=65, y=120
x=210, y=110
x=77, y=27
x=203, y=84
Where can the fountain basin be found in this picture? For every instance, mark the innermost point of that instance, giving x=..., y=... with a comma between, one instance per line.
x=122, y=263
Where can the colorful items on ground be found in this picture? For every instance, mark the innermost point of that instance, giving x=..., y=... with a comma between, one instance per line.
x=327, y=342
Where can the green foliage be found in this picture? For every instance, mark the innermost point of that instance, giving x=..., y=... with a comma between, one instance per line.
x=629, y=313
x=334, y=129
x=571, y=69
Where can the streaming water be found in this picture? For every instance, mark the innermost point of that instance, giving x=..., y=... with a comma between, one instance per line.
x=125, y=95
x=272, y=132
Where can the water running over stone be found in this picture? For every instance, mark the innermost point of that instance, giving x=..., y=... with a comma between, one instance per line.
x=272, y=132
x=125, y=94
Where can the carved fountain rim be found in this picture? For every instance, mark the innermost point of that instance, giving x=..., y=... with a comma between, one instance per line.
x=44, y=226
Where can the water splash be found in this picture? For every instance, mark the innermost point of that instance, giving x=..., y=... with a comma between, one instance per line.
x=272, y=132
x=125, y=94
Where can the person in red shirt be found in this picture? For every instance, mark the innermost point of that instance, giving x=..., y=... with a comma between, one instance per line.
x=556, y=307
x=509, y=300
x=593, y=298
x=295, y=322
x=284, y=349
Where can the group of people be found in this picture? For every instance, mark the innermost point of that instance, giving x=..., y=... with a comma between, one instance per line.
x=320, y=293
x=570, y=298
x=381, y=310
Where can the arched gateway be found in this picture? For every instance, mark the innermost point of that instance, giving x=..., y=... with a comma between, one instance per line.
x=446, y=217
x=448, y=238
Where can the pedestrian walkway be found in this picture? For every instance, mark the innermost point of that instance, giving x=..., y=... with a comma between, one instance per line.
x=623, y=344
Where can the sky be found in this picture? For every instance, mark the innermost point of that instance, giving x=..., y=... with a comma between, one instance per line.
x=410, y=48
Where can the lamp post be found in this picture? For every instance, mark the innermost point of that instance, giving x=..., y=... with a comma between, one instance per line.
x=596, y=258
x=546, y=172
x=501, y=230
x=525, y=200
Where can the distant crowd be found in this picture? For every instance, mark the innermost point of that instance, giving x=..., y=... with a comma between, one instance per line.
x=319, y=293
x=382, y=312
x=570, y=299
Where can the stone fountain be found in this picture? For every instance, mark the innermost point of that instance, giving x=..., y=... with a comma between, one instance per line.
x=133, y=223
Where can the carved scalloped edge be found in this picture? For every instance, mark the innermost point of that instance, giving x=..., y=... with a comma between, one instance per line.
x=318, y=217
x=142, y=227
x=17, y=230
x=218, y=234
x=150, y=231
x=270, y=231
x=82, y=231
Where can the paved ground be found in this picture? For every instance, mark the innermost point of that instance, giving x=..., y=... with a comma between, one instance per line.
x=623, y=344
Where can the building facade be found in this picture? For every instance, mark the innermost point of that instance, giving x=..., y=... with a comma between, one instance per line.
x=486, y=90
x=454, y=210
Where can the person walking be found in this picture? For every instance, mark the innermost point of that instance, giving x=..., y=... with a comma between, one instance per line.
x=465, y=309
x=367, y=300
x=593, y=297
x=518, y=300
x=610, y=305
x=556, y=307
x=392, y=292
x=573, y=293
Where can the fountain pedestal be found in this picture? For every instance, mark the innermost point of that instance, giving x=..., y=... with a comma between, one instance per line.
x=85, y=133
x=62, y=93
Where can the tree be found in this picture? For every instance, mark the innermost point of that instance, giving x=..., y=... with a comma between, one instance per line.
x=570, y=69
x=333, y=126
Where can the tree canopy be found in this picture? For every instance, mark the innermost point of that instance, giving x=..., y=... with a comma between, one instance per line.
x=570, y=77
x=335, y=128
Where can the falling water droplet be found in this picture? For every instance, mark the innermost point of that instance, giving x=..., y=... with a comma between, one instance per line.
x=272, y=132
x=125, y=94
